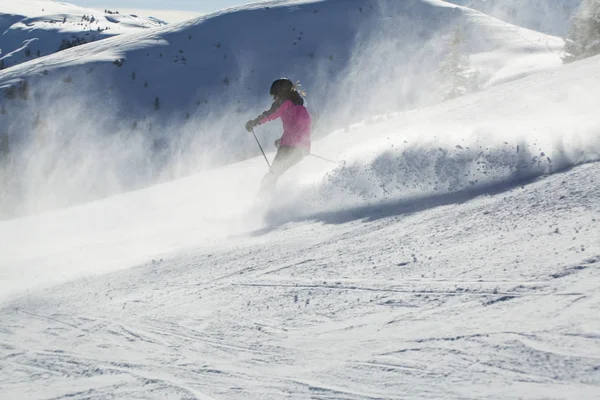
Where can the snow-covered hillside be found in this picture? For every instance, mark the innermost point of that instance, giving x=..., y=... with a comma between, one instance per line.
x=31, y=29
x=164, y=102
x=549, y=16
x=453, y=254
x=316, y=41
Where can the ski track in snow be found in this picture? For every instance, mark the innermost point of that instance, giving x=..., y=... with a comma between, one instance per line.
x=495, y=297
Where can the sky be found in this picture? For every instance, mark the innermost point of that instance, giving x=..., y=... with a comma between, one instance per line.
x=170, y=11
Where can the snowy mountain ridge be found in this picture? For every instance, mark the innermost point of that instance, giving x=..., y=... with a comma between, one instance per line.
x=548, y=16
x=34, y=28
x=180, y=94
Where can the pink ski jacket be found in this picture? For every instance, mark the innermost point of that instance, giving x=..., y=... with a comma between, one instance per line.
x=296, y=123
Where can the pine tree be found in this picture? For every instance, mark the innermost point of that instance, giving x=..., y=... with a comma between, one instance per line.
x=583, y=38
x=157, y=103
x=456, y=73
x=10, y=93
x=24, y=89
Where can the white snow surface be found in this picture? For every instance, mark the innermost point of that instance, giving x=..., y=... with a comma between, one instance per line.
x=29, y=26
x=453, y=253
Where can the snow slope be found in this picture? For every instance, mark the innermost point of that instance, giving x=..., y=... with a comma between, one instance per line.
x=34, y=28
x=314, y=40
x=548, y=16
x=162, y=103
x=494, y=297
x=446, y=258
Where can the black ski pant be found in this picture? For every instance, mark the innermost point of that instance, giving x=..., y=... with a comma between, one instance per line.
x=286, y=158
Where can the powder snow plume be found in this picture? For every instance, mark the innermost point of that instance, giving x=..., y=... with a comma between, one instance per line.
x=483, y=142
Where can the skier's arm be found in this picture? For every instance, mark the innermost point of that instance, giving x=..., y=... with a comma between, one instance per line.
x=272, y=113
x=276, y=110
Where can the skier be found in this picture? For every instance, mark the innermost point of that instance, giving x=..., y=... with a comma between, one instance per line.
x=294, y=144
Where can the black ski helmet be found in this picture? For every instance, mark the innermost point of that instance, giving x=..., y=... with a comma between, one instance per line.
x=281, y=87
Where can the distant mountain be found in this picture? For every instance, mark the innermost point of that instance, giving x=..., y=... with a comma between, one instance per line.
x=34, y=28
x=341, y=50
x=548, y=16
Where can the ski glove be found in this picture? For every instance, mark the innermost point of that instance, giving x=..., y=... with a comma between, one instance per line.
x=251, y=124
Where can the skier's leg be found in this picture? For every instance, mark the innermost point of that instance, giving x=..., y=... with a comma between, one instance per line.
x=285, y=158
x=270, y=179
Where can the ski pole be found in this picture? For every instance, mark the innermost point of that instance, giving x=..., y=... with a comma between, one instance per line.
x=325, y=159
x=261, y=149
